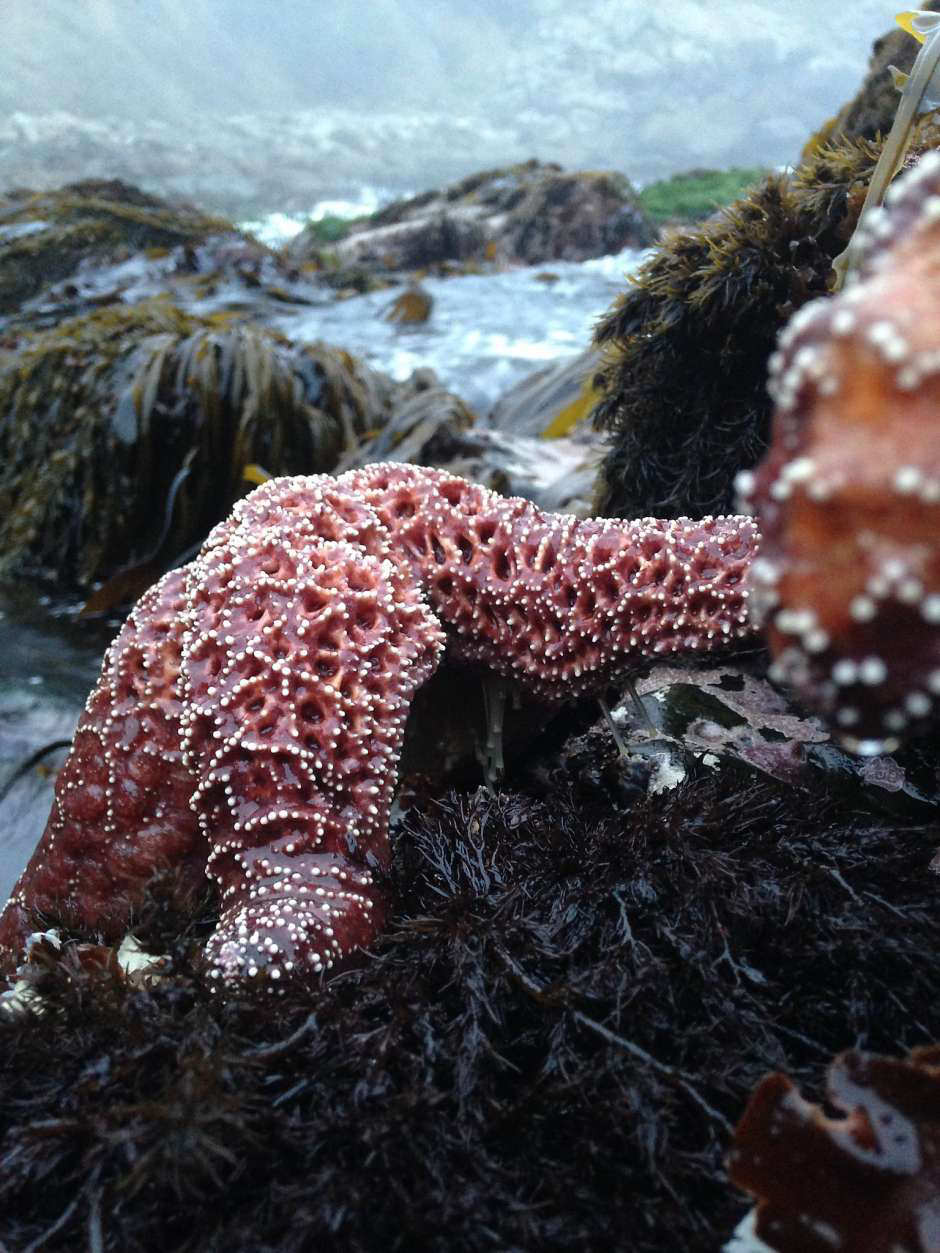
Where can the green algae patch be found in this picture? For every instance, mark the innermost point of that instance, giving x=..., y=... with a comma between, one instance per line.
x=696, y=194
x=125, y=434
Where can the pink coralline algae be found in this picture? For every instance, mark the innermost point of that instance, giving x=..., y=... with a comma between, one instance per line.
x=249, y=717
x=848, y=499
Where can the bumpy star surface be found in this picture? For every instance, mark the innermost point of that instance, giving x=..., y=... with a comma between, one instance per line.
x=249, y=717
x=848, y=499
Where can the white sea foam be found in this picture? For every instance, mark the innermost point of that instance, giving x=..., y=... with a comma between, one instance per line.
x=276, y=229
x=486, y=332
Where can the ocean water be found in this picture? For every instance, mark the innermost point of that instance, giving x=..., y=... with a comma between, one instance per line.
x=276, y=229
x=485, y=332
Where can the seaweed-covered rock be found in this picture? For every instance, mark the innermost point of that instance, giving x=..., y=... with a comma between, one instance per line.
x=686, y=347
x=526, y=213
x=45, y=236
x=683, y=384
x=125, y=434
x=548, y=1049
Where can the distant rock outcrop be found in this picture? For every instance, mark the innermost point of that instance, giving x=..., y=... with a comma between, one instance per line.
x=526, y=213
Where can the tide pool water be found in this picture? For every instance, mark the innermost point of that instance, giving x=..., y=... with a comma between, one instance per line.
x=486, y=332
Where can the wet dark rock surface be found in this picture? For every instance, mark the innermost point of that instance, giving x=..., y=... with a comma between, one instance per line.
x=527, y=214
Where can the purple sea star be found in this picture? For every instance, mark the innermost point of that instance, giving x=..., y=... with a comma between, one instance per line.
x=249, y=717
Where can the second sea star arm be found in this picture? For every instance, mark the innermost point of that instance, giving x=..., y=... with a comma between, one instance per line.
x=301, y=660
x=121, y=809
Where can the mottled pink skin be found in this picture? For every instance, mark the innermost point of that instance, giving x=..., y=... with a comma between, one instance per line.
x=121, y=806
x=848, y=496
x=249, y=718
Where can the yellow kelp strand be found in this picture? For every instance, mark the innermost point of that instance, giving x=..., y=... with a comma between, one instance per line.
x=907, y=21
x=919, y=93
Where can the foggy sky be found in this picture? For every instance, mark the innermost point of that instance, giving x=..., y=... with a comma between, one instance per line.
x=646, y=88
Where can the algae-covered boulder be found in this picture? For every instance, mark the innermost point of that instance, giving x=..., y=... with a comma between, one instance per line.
x=686, y=346
x=525, y=213
x=125, y=434
x=45, y=236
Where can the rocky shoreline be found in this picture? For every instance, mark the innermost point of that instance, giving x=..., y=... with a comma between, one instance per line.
x=588, y=971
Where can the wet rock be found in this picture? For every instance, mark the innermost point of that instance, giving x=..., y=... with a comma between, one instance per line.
x=428, y=240
x=551, y=401
x=526, y=214
x=428, y=428
x=414, y=305
x=435, y=428
x=688, y=722
x=46, y=236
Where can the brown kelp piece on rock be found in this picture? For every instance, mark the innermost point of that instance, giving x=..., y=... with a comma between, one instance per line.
x=848, y=498
x=864, y=1181
x=297, y=639
x=125, y=434
x=687, y=345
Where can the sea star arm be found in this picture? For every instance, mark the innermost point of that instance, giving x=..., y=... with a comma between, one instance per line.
x=121, y=807
x=564, y=606
x=301, y=659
